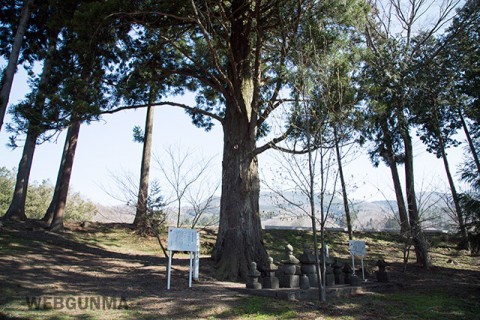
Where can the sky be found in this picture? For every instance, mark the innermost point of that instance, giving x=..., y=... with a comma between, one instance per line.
x=106, y=148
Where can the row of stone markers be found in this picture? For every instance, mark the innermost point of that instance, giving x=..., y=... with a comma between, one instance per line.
x=299, y=273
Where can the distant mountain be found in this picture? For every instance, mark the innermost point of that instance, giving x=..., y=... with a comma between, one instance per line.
x=290, y=210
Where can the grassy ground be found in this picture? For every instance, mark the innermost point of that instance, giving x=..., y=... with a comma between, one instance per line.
x=110, y=262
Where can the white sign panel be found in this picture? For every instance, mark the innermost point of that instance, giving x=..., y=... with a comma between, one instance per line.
x=182, y=239
x=357, y=248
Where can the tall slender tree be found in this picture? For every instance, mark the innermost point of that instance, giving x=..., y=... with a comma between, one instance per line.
x=9, y=73
x=30, y=118
x=84, y=83
x=390, y=38
x=435, y=113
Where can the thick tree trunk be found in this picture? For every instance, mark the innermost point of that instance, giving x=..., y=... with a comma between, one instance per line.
x=16, y=210
x=71, y=140
x=421, y=248
x=9, y=73
x=456, y=201
x=344, y=187
x=239, y=239
x=140, y=220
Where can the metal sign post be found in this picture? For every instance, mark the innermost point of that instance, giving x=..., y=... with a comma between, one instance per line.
x=182, y=239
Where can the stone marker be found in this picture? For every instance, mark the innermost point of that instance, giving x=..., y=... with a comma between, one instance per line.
x=329, y=276
x=307, y=260
x=382, y=275
x=270, y=281
x=289, y=278
x=337, y=273
x=347, y=273
x=253, y=274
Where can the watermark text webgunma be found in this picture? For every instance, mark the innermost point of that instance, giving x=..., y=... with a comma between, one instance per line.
x=76, y=303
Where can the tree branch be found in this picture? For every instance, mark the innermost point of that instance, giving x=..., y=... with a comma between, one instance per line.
x=166, y=103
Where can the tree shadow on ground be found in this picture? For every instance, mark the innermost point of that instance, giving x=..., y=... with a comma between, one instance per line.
x=35, y=262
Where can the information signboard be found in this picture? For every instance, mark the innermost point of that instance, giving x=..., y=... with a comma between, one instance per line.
x=182, y=239
x=357, y=248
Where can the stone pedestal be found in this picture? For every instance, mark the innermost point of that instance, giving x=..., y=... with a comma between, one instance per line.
x=253, y=274
x=304, y=282
x=289, y=281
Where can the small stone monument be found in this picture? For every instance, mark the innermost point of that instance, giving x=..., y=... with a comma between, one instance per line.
x=329, y=276
x=270, y=281
x=347, y=273
x=289, y=278
x=307, y=260
x=382, y=275
x=253, y=274
x=337, y=273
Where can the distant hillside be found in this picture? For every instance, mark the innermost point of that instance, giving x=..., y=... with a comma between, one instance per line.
x=276, y=211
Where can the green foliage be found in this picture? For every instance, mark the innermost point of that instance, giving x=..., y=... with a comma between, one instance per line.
x=39, y=196
x=138, y=134
x=78, y=209
x=7, y=184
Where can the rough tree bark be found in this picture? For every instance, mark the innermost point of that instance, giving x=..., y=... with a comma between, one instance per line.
x=389, y=156
x=7, y=79
x=71, y=140
x=47, y=218
x=16, y=210
x=140, y=220
x=239, y=239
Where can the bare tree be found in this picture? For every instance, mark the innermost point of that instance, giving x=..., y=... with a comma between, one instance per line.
x=182, y=172
x=202, y=200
